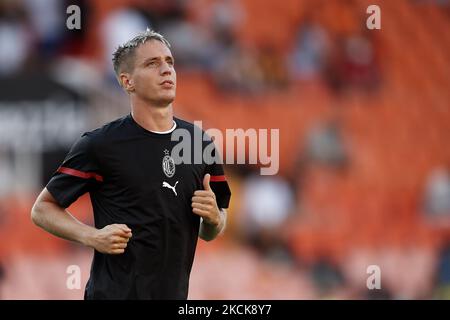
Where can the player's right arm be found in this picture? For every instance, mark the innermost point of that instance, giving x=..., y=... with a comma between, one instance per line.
x=50, y=216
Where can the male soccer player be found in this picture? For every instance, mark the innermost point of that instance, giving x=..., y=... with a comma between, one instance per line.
x=148, y=209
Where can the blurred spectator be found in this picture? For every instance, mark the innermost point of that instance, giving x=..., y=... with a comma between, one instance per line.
x=437, y=193
x=16, y=37
x=359, y=62
x=116, y=29
x=223, y=18
x=226, y=16
x=311, y=46
x=48, y=20
x=353, y=64
x=192, y=46
x=250, y=71
x=267, y=203
x=273, y=68
x=325, y=145
x=238, y=70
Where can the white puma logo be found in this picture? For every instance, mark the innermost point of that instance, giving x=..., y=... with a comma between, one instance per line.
x=165, y=184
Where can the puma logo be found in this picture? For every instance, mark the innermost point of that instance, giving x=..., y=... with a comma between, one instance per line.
x=165, y=184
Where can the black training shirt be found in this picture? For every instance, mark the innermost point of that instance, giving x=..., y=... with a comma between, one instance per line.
x=132, y=179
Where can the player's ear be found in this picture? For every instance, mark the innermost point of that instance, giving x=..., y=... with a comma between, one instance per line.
x=126, y=82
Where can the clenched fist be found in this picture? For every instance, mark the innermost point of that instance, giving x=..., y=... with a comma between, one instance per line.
x=204, y=204
x=112, y=239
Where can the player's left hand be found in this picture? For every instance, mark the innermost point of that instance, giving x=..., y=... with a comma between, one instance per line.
x=204, y=203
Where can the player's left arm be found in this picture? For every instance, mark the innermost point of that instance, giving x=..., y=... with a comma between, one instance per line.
x=204, y=204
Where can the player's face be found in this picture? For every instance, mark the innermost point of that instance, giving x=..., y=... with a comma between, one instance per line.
x=154, y=74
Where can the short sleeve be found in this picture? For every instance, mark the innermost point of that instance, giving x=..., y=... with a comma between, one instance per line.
x=218, y=182
x=78, y=174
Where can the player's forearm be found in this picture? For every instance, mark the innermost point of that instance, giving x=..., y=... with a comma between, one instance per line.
x=209, y=232
x=59, y=222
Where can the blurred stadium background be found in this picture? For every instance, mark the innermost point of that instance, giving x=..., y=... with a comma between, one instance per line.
x=364, y=119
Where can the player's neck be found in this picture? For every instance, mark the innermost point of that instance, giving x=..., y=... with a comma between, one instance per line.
x=153, y=118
